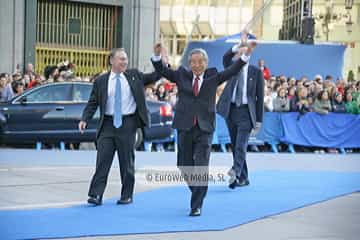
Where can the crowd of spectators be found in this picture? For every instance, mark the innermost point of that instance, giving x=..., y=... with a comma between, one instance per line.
x=287, y=94
x=305, y=95
x=281, y=93
x=16, y=83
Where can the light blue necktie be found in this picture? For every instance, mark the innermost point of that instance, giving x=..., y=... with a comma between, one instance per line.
x=117, y=118
x=238, y=90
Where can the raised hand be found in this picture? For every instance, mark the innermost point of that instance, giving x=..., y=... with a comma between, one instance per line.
x=243, y=39
x=157, y=49
x=164, y=56
x=250, y=48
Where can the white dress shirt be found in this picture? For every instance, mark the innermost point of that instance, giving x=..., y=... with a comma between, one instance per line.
x=244, y=90
x=245, y=69
x=128, y=104
x=234, y=49
x=201, y=79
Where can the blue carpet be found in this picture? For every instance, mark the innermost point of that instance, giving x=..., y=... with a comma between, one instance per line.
x=166, y=209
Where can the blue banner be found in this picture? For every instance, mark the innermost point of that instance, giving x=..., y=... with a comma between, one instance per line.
x=221, y=135
x=312, y=129
x=271, y=130
x=305, y=60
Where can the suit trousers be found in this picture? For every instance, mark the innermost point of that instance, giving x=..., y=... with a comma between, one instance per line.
x=113, y=139
x=194, y=148
x=239, y=125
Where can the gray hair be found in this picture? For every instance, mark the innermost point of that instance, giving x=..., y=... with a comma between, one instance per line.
x=198, y=51
x=113, y=52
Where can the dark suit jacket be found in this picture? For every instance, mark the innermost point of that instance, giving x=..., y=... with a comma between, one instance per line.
x=136, y=80
x=203, y=105
x=255, y=92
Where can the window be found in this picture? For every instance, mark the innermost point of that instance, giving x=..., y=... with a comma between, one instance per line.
x=51, y=93
x=180, y=46
x=81, y=92
x=74, y=26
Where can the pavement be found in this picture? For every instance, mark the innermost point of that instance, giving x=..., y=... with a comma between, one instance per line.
x=47, y=178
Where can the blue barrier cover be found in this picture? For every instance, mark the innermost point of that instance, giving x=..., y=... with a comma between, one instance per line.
x=221, y=135
x=313, y=129
x=271, y=130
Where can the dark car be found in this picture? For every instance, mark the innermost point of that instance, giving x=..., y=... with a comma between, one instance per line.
x=50, y=113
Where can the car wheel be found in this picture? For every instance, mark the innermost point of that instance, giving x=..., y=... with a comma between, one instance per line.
x=138, y=138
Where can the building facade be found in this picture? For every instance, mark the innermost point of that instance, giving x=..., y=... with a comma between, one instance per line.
x=46, y=32
x=182, y=20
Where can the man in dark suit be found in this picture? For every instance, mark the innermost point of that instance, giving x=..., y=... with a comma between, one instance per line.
x=241, y=104
x=120, y=96
x=195, y=114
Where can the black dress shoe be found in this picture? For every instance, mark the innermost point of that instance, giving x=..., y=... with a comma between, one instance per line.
x=96, y=200
x=239, y=183
x=124, y=201
x=232, y=175
x=243, y=183
x=233, y=184
x=195, y=212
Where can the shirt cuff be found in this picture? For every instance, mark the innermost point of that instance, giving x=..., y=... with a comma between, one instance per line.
x=245, y=58
x=235, y=48
x=155, y=58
